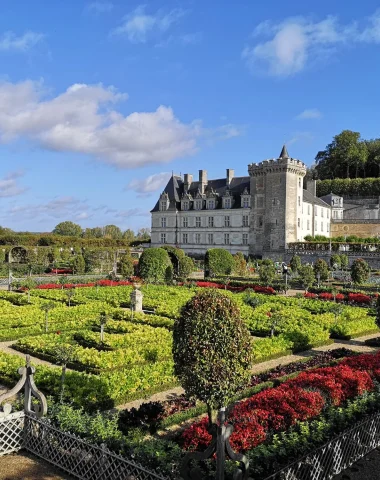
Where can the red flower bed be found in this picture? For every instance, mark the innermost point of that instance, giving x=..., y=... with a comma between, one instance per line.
x=61, y=270
x=326, y=296
x=359, y=298
x=101, y=283
x=298, y=399
x=310, y=295
x=339, y=297
x=256, y=288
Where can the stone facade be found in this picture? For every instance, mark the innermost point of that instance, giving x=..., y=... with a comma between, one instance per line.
x=257, y=215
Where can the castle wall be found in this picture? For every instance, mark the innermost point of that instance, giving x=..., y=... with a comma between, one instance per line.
x=360, y=228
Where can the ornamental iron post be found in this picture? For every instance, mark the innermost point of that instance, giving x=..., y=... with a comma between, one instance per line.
x=30, y=390
x=220, y=445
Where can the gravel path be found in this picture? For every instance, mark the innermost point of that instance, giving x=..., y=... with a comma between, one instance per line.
x=6, y=348
x=24, y=466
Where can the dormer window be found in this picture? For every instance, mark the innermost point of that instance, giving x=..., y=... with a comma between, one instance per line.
x=185, y=205
x=227, y=202
x=198, y=204
x=164, y=202
x=245, y=202
x=211, y=204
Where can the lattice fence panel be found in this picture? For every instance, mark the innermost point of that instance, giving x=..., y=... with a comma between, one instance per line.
x=11, y=432
x=337, y=455
x=79, y=458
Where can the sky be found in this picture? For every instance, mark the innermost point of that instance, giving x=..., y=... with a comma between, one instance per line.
x=100, y=101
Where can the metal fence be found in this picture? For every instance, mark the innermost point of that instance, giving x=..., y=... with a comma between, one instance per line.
x=11, y=432
x=336, y=455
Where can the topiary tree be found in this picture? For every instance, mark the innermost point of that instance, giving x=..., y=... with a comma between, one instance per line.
x=78, y=264
x=344, y=261
x=336, y=261
x=218, y=262
x=240, y=264
x=307, y=277
x=267, y=271
x=186, y=266
x=126, y=265
x=360, y=271
x=322, y=269
x=212, y=349
x=295, y=263
x=153, y=265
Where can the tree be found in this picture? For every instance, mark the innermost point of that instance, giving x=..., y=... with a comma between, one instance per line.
x=345, y=154
x=186, y=266
x=307, y=277
x=212, y=349
x=112, y=231
x=70, y=293
x=68, y=229
x=335, y=261
x=360, y=271
x=322, y=269
x=143, y=234
x=126, y=265
x=153, y=265
x=344, y=261
x=78, y=264
x=46, y=307
x=129, y=235
x=96, y=232
x=373, y=162
x=240, y=264
x=267, y=271
x=295, y=263
x=92, y=260
x=218, y=262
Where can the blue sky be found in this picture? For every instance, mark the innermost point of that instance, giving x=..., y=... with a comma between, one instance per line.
x=100, y=101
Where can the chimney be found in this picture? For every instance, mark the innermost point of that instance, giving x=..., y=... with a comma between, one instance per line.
x=311, y=186
x=229, y=176
x=202, y=180
x=187, y=181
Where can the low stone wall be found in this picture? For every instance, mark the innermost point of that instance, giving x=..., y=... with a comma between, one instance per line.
x=310, y=257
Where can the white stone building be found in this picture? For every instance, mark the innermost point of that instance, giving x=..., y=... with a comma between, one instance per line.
x=257, y=215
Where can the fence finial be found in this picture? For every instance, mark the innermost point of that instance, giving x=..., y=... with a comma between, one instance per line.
x=27, y=382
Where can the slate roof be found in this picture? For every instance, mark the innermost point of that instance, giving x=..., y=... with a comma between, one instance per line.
x=175, y=190
x=284, y=152
x=309, y=198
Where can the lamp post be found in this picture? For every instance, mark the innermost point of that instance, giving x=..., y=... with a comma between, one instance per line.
x=285, y=272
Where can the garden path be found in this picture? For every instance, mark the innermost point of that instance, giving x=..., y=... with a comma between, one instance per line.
x=356, y=344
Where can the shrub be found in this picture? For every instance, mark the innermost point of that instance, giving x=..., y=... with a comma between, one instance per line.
x=126, y=265
x=78, y=264
x=267, y=272
x=336, y=261
x=240, y=264
x=153, y=265
x=360, y=271
x=321, y=268
x=307, y=276
x=218, y=262
x=295, y=263
x=186, y=266
x=211, y=349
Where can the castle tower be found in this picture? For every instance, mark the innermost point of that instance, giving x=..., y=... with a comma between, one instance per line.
x=276, y=204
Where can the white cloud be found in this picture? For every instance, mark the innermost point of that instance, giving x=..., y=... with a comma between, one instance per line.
x=296, y=42
x=191, y=38
x=82, y=120
x=148, y=185
x=309, y=114
x=9, y=186
x=99, y=7
x=139, y=25
x=303, y=137
x=9, y=41
x=132, y=212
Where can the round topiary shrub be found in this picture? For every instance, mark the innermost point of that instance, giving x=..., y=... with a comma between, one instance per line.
x=212, y=348
x=153, y=265
x=218, y=262
x=360, y=271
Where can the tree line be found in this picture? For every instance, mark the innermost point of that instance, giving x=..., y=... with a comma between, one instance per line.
x=347, y=156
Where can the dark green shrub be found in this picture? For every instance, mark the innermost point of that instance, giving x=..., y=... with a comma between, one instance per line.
x=295, y=263
x=78, y=264
x=322, y=269
x=240, y=264
x=360, y=271
x=267, y=271
x=153, y=265
x=212, y=349
x=218, y=262
x=307, y=277
x=126, y=265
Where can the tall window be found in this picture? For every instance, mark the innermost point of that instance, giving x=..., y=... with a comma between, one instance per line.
x=185, y=205
x=315, y=225
x=245, y=238
x=227, y=203
x=260, y=221
x=308, y=209
x=321, y=226
x=197, y=221
x=322, y=212
x=163, y=222
x=211, y=204
x=259, y=202
x=184, y=238
x=210, y=221
x=334, y=214
x=328, y=227
x=299, y=201
x=198, y=205
x=227, y=221
x=308, y=224
x=197, y=238
x=299, y=222
x=245, y=202
x=328, y=214
x=299, y=182
x=163, y=205
x=210, y=238
x=226, y=239
x=245, y=221
x=163, y=237
x=185, y=222
x=316, y=210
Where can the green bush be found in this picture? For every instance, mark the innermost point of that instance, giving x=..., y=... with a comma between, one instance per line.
x=360, y=271
x=126, y=265
x=211, y=348
x=322, y=269
x=240, y=264
x=218, y=262
x=78, y=264
x=349, y=186
x=153, y=265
